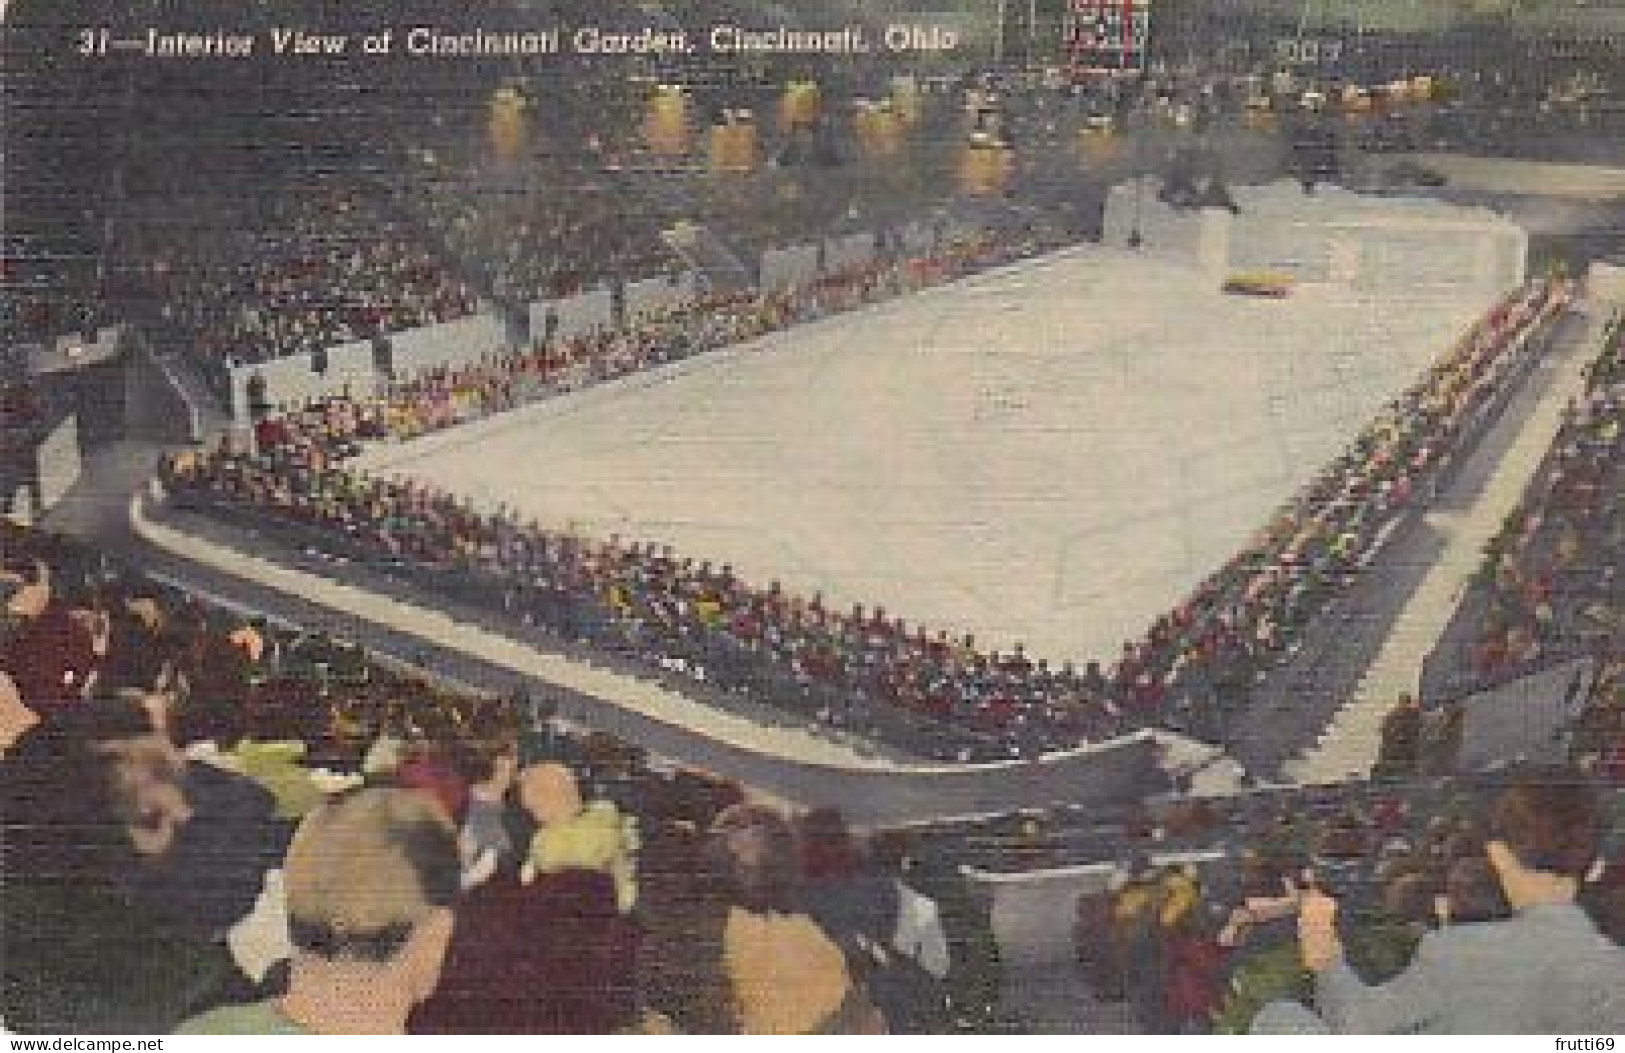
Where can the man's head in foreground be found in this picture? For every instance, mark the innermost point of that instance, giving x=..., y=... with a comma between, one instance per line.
x=370, y=879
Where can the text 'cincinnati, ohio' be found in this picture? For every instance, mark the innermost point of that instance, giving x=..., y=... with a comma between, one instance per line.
x=725, y=39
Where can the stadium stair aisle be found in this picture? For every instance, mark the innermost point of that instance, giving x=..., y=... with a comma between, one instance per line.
x=1348, y=747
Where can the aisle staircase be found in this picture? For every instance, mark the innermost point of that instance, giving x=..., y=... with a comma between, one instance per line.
x=665, y=192
x=1348, y=747
x=707, y=255
x=169, y=398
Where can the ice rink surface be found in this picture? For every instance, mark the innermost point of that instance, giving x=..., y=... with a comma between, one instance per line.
x=1052, y=454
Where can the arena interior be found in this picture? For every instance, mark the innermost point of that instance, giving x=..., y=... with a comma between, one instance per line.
x=813, y=517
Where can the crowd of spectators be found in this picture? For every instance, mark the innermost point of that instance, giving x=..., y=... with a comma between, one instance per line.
x=316, y=265
x=1548, y=591
x=534, y=235
x=1202, y=656
x=277, y=834
x=640, y=598
x=347, y=260
x=243, y=278
x=264, y=824
x=840, y=668
x=1551, y=586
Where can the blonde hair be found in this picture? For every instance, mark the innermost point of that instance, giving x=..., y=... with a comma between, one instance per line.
x=549, y=792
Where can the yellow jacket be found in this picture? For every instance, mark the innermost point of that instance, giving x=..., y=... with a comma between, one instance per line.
x=596, y=838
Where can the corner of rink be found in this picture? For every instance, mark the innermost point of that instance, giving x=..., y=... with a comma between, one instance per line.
x=1368, y=243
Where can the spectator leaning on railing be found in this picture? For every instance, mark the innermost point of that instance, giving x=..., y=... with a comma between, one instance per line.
x=1544, y=970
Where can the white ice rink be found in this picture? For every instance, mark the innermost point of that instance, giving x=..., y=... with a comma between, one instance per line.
x=1051, y=454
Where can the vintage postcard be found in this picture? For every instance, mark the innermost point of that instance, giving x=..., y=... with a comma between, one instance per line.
x=976, y=517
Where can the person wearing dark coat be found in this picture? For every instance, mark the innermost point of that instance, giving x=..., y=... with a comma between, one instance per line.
x=208, y=881
x=91, y=799
x=552, y=957
x=851, y=900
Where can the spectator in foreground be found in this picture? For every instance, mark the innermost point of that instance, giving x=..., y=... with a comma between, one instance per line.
x=213, y=871
x=548, y=956
x=485, y=841
x=25, y=588
x=370, y=880
x=1545, y=970
x=92, y=801
x=851, y=900
x=787, y=977
x=909, y=986
x=683, y=910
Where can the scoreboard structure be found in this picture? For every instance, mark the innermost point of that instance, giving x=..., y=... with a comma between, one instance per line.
x=1108, y=36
